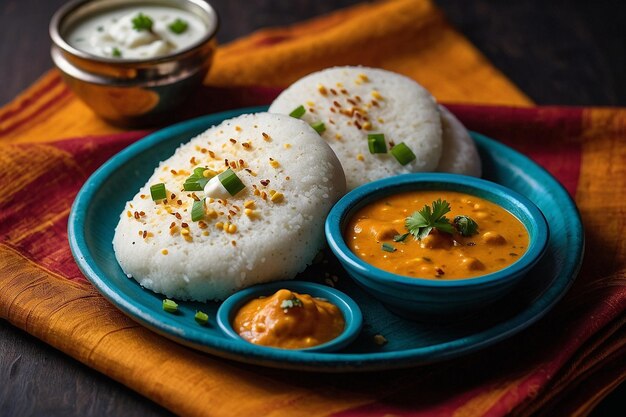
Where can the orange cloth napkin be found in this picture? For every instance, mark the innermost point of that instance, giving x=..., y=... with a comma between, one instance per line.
x=566, y=362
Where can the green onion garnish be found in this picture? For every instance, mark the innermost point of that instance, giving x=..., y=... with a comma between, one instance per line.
x=298, y=112
x=388, y=248
x=192, y=186
x=197, y=211
x=179, y=26
x=196, y=181
x=376, y=143
x=319, y=127
x=231, y=181
x=170, y=306
x=157, y=191
x=116, y=52
x=201, y=318
x=402, y=153
x=400, y=238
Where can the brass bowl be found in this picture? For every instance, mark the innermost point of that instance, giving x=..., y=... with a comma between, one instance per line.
x=132, y=92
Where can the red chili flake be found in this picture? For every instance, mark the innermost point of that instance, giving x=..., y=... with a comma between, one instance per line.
x=439, y=271
x=232, y=212
x=178, y=216
x=233, y=164
x=357, y=98
x=392, y=144
x=249, y=171
x=145, y=233
x=333, y=110
x=212, y=154
x=357, y=124
x=173, y=171
x=172, y=225
x=331, y=121
x=351, y=102
x=374, y=103
x=226, y=162
x=142, y=213
x=184, y=225
x=236, y=207
x=242, y=163
x=344, y=91
x=233, y=242
x=136, y=214
x=265, y=182
x=246, y=145
x=358, y=115
x=203, y=150
x=263, y=195
x=142, y=196
x=173, y=196
x=232, y=140
x=336, y=103
x=192, y=161
x=312, y=110
x=332, y=90
x=265, y=136
x=179, y=202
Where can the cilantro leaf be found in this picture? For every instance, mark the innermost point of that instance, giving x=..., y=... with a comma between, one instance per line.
x=178, y=26
x=142, y=22
x=422, y=222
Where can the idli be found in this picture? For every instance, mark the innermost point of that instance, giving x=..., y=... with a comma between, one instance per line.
x=379, y=123
x=459, y=155
x=240, y=204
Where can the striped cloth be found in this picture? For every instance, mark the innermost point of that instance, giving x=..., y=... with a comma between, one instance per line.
x=563, y=365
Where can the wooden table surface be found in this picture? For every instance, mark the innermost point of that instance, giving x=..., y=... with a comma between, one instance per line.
x=558, y=52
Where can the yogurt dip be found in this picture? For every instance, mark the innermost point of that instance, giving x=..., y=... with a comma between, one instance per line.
x=137, y=32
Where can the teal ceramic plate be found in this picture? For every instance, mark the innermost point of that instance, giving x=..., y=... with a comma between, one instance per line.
x=96, y=210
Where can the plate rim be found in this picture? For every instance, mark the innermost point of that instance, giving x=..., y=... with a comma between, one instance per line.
x=314, y=361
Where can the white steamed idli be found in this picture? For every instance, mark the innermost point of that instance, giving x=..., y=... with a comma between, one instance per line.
x=353, y=102
x=459, y=155
x=271, y=230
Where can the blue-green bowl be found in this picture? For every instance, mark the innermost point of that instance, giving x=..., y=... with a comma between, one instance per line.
x=422, y=298
x=349, y=309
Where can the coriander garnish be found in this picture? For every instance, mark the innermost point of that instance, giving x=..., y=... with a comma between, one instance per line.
x=142, y=22
x=291, y=303
x=116, y=52
x=422, y=222
x=178, y=26
x=400, y=238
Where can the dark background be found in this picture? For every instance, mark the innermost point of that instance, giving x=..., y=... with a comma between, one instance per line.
x=557, y=52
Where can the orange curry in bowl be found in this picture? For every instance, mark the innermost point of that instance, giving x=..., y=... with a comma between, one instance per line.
x=289, y=320
x=437, y=235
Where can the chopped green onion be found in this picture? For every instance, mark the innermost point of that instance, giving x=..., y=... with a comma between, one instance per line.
x=116, y=52
x=231, y=181
x=402, y=153
x=179, y=26
x=319, y=127
x=388, y=248
x=298, y=112
x=197, y=211
x=170, y=306
x=400, y=238
x=201, y=318
x=376, y=143
x=192, y=186
x=142, y=22
x=196, y=181
x=157, y=191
